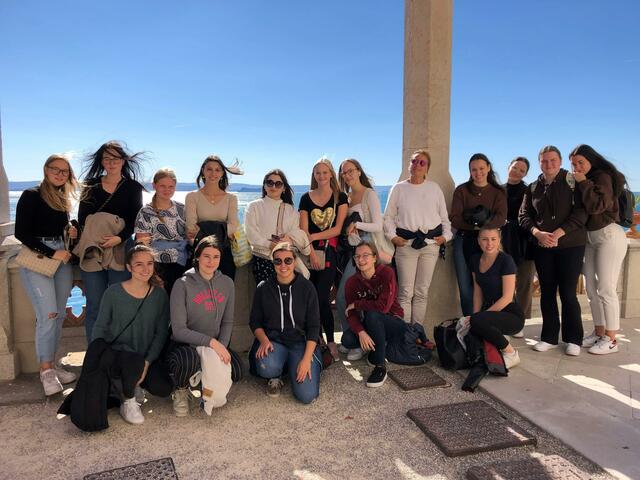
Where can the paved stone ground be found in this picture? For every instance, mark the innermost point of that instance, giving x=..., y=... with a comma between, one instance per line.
x=349, y=432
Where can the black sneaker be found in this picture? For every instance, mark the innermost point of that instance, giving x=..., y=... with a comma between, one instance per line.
x=377, y=377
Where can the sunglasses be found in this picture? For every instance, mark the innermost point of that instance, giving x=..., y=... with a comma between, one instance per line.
x=276, y=184
x=287, y=261
x=415, y=161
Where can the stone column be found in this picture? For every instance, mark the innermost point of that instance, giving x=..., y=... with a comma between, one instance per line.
x=427, y=108
x=630, y=297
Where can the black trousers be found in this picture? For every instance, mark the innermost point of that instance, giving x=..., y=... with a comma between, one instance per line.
x=323, y=280
x=262, y=269
x=558, y=271
x=493, y=326
x=157, y=381
x=183, y=361
x=226, y=263
x=169, y=273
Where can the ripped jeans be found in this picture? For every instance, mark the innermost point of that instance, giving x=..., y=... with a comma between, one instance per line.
x=49, y=297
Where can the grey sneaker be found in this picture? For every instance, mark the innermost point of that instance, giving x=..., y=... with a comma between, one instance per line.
x=139, y=395
x=342, y=349
x=274, y=387
x=519, y=334
x=355, y=354
x=65, y=376
x=130, y=411
x=181, y=402
x=50, y=382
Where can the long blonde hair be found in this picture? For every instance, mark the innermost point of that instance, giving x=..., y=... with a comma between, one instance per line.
x=335, y=186
x=164, y=172
x=59, y=198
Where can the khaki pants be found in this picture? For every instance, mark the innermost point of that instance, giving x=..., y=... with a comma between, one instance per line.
x=415, y=270
x=524, y=286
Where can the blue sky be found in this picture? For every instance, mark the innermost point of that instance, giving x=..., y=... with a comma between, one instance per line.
x=278, y=84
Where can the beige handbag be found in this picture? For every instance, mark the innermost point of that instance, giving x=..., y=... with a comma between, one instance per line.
x=37, y=262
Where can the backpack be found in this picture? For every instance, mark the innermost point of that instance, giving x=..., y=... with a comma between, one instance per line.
x=412, y=348
x=626, y=207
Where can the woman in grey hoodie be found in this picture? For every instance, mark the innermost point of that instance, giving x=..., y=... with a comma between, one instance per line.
x=202, y=304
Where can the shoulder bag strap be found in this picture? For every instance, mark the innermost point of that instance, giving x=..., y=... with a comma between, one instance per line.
x=134, y=317
x=280, y=219
x=110, y=196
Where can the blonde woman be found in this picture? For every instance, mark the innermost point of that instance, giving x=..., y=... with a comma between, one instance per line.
x=161, y=224
x=212, y=203
x=323, y=210
x=41, y=217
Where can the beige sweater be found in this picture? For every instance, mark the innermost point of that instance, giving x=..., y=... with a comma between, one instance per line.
x=199, y=209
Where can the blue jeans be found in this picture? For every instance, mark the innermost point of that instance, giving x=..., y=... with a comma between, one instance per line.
x=48, y=297
x=463, y=274
x=95, y=284
x=381, y=327
x=273, y=365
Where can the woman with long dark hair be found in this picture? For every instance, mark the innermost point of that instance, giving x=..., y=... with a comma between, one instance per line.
x=553, y=213
x=479, y=202
x=42, y=214
x=212, y=203
x=600, y=184
x=270, y=220
x=323, y=210
x=110, y=186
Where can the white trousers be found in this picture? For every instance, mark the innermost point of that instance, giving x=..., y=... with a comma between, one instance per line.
x=415, y=270
x=216, y=379
x=603, y=257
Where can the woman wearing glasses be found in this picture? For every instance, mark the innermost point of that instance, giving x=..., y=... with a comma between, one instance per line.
x=286, y=323
x=416, y=222
x=373, y=312
x=110, y=186
x=42, y=214
x=270, y=220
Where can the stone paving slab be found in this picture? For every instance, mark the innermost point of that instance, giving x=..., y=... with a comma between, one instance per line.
x=162, y=469
x=417, y=377
x=23, y=390
x=551, y=467
x=469, y=427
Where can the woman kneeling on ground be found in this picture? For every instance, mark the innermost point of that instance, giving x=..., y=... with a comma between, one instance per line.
x=373, y=311
x=285, y=319
x=134, y=317
x=496, y=314
x=202, y=305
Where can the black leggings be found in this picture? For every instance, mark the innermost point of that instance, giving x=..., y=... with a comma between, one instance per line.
x=262, y=269
x=493, y=326
x=323, y=281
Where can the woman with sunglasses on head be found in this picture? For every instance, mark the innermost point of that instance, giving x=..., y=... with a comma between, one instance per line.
x=42, y=214
x=110, y=186
x=286, y=323
x=364, y=205
x=212, y=203
x=373, y=312
x=479, y=202
x=600, y=184
x=161, y=224
x=202, y=306
x=416, y=222
x=323, y=210
x=134, y=316
x=270, y=220
x=552, y=211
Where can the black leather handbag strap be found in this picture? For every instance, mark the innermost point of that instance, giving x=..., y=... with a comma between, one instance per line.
x=134, y=317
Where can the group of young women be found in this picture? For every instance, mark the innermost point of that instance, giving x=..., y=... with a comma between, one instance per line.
x=337, y=237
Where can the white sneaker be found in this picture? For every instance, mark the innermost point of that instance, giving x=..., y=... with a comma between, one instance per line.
x=604, y=346
x=180, y=398
x=65, y=376
x=520, y=334
x=590, y=340
x=50, y=382
x=511, y=359
x=130, y=411
x=355, y=354
x=543, y=346
x=342, y=349
x=572, y=349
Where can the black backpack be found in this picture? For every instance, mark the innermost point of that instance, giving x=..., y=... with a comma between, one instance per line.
x=410, y=348
x=626, y=207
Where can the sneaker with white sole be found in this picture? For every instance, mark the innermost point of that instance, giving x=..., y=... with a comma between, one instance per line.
x=355, y=354
x=520, y=334
x=180, y=398
x=604, y=346
x=65, y=376
x=511, y=359
x=344, y=350
x=139, y=395
x=590, y=340
x=572, y=349
x=543, y=346
x=131, y=412
x=377, y=377
x=274, y=387
x=50, y=382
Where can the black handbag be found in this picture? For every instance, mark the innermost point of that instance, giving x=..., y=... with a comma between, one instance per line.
x=450, y=352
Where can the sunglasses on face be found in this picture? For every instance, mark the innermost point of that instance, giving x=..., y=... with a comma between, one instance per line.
x=287, y=261
x=272, y=184
x=415, y=161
